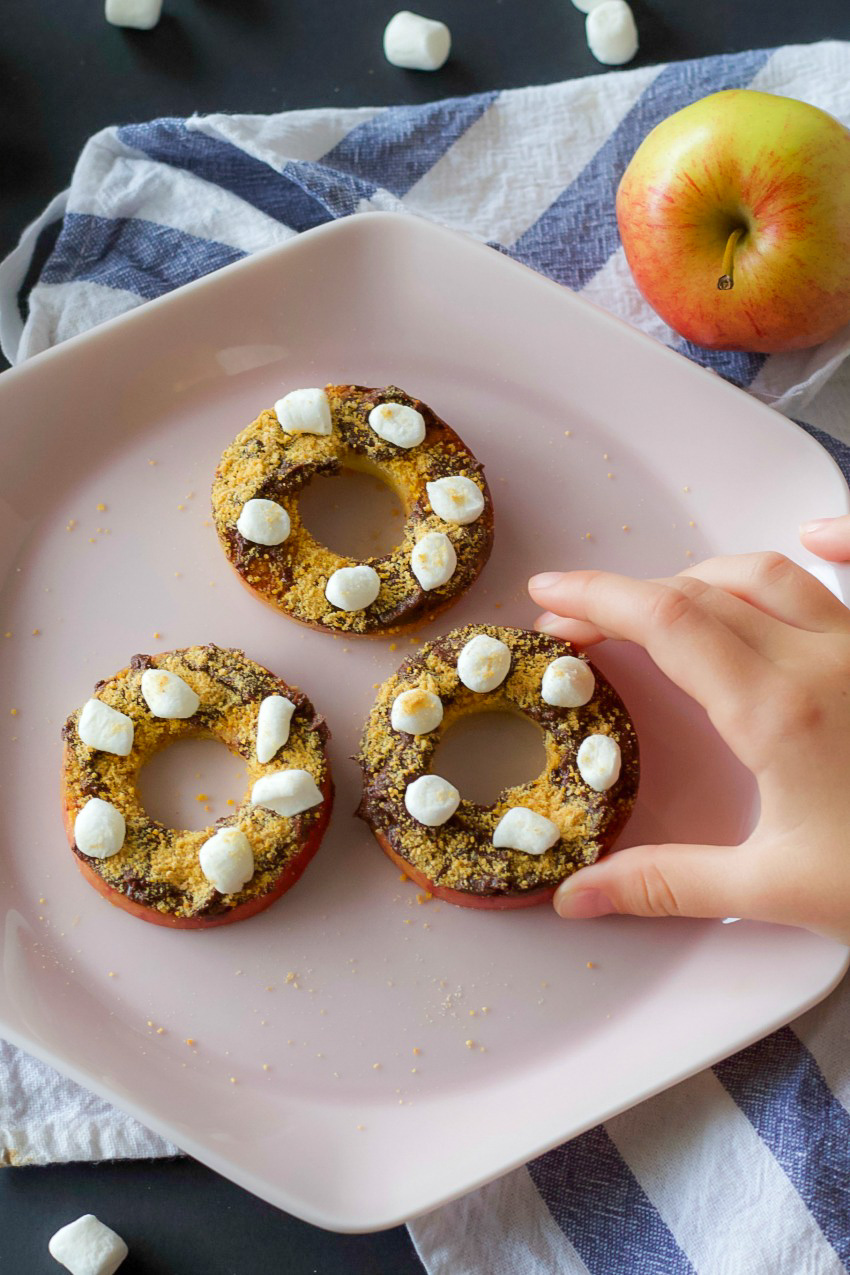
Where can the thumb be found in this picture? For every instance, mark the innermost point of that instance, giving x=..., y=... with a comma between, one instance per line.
x=828, y=537
x=667, y=880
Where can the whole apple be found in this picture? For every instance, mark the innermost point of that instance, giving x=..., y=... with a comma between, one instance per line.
x=735, y=217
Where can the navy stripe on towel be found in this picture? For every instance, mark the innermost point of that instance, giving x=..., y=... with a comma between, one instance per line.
x=398, y=147
x=781, y=1090
x=839, y=451
x=604, y=1212
x=137, y=256
x=560, y=243
x=733, y=365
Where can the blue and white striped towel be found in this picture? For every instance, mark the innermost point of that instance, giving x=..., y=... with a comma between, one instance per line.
x=745, y=1169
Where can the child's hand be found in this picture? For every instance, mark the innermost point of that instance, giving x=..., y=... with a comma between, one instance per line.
x=765, y=648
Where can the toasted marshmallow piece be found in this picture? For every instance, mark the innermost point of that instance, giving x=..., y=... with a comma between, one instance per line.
x=263, y=522
x=273, y=725
x=416, y=711
x=304, y=412
x=286, y=792
x=431, y=800
x=522, y=829
x=584, y=6
x=87, y=1247
x=483, y=663
x=433, y=560
x=568, y=682
x=141, y=14
x=167, y=695
x=598, y=760
x=397, y=423
x=353, y=588
x=105, y=728
x=99, y=829
x=611, y=32
x=416, y=43
x=456, y=499
x=227, y=860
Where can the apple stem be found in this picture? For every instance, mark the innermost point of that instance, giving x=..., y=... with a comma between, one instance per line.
x=726, y=280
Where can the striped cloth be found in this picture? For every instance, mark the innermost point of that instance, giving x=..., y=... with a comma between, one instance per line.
x=744, y=1169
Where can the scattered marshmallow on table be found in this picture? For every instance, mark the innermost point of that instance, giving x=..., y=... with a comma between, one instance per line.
x=598, y=760
x=286, y=792
x=397, y=423
x=227, y=860
x=611, y=32
x=416, y=711
x=431, y=800
x=522, y=829
x=273, y=726
x=99, y=829
x=433, y=560
x=304, y=412
x=456, y=499
x=106, y=729
x=263, y=522
x=483, y=663
x=167, y=695
x=416, y=43
x=353, y=588
x=568, y=682
x=87, y=1247
x=141, y=14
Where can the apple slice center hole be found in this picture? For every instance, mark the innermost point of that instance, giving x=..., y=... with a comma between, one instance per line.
x=483, y=753
x=188, y=783
x=353, y=513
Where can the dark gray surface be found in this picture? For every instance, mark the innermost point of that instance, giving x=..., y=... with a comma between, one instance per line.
x=64, y=73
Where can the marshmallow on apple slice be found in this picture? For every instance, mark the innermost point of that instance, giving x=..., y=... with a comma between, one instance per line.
x=483, y=663
x=416, y=711
x=568, y=682
x=99, y=829
x=433, y=560
x=416, y=43
x=106, y=729
x=397, y=423
x=431, y=800
x=273, y=726
x=141, y=14
x=598, y=760
x=87, y=1247
x=522, y=829
x=286, y=792
x=227, y=860
x=456, y=499
x=304, y=412
x=263, y=522
x=353, y=588
x=167, y=695
x=584, y=6
x=611, y=32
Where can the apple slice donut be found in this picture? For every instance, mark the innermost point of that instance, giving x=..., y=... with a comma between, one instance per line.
x=448, y=512
x=515, y=852
x=183, y=878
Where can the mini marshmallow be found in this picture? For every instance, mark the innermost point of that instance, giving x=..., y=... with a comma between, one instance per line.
x=273, y=725
x=397, y=423
x=141, y=14
x=167, y=695
x=286, y=792
x=304, y=412
x=227, y=860
x=483, y=663
x=99, y=829
x=416, y=711
x=416, y=43
x=584, y=6
x=353, y=588
x=456, y=499
x=611, y=32
x=598, y=760
x=105, y=728
x=568, y=682
x=87, y=1247
x=523, y=829
x=431, y=800
x=263, y=522
x=433, y=560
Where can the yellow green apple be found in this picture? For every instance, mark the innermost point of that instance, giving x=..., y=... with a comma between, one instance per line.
x=735, y=218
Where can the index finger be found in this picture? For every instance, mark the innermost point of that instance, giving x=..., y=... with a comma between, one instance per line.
x=694, y=648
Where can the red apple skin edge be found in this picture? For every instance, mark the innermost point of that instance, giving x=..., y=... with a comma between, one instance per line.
x=284, y=882
x=494, y=902
x=777, y=168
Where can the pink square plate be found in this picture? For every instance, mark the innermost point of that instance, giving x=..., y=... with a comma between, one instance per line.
x=420, y=1049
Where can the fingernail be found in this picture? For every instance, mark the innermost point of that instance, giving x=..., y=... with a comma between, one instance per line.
x=547, y=622
x=580, y=905
x=545, y=580
x=813, y=528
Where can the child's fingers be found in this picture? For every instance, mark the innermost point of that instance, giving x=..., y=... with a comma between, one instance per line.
x=579, y=632
x=698, y=652
x=777, y=587
x=828, y=537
